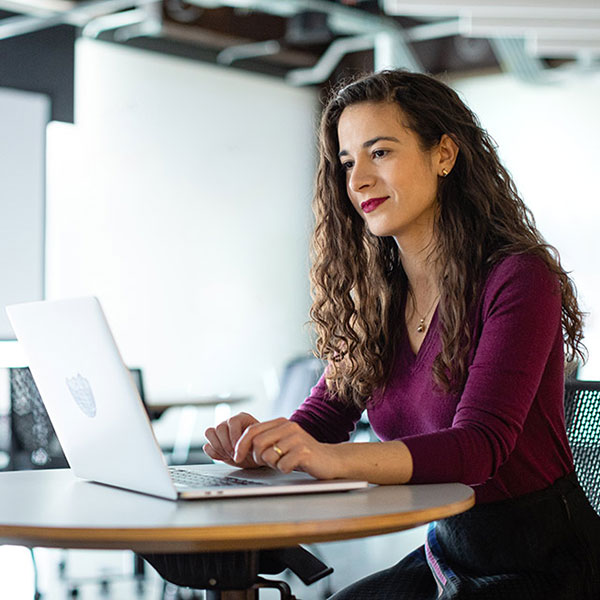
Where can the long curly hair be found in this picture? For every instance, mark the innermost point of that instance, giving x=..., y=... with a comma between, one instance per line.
x=358, y=284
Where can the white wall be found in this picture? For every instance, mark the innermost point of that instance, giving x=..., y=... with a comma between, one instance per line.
x=23, y=119
x=548, y=137
x=182, y=199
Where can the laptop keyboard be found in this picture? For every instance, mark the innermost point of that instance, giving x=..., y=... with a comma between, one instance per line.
x=194, y=479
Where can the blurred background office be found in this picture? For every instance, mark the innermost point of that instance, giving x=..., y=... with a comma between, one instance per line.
x=160, y=155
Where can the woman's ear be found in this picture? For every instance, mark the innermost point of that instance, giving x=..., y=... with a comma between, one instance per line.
x=447, y=152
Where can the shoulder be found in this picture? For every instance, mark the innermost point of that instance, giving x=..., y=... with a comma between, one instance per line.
x=526, y=277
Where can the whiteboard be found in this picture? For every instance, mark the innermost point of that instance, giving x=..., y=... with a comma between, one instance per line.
x=23, y=120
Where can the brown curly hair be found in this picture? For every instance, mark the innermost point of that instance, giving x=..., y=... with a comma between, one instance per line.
x=358, y=284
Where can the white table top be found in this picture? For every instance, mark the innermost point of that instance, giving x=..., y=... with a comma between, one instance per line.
x=196, y=401
x=54, y=509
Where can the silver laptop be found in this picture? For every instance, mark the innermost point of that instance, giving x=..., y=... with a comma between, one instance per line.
x=99, y=418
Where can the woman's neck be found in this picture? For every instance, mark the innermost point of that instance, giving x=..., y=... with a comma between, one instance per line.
x=421, y=270
x=422, y=299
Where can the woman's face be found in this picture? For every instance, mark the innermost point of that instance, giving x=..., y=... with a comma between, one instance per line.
x=391, y=182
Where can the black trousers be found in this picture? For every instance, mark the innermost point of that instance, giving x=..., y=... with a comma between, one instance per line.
x=541, y=546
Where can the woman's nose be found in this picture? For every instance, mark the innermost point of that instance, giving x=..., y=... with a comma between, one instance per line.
x=361, y=177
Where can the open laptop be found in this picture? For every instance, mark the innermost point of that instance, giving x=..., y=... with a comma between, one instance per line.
x=99, y=418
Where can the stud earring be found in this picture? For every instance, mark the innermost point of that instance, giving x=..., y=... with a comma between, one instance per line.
x=445, y=172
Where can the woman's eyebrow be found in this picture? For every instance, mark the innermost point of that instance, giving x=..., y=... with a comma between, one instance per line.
x=368, y=143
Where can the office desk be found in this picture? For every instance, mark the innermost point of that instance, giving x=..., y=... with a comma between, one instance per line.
x=158, y=407
x=183, y=441
x=54, y=509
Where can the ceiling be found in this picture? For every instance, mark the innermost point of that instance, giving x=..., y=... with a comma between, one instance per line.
x=311, y=42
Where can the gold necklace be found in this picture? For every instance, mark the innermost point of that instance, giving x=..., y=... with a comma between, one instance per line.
x=422, y=326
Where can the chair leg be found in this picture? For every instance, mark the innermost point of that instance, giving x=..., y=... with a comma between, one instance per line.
x=36, y=591
x=139, y=567
x=284, y=589
x=139, y=572
x=252, y=593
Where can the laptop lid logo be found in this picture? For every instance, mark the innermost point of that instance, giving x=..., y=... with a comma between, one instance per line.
x=82, y=393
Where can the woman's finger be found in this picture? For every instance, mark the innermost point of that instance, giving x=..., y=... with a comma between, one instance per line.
x=214, y=441
x=273, y=454
x=244, y=445
x=222, y=430
x=212, y=453
x=288, y=462
x=225, y=435
x=237, y=425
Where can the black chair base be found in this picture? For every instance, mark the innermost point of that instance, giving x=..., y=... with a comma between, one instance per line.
x=235, y=575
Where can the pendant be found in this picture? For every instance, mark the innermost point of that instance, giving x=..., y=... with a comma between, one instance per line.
x=421, y=326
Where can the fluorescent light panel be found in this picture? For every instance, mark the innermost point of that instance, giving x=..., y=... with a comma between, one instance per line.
x=551, y=48
x=552, y=28
x=40, y=7
x=499, y=8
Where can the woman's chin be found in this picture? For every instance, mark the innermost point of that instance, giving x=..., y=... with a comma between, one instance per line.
x=380, y=230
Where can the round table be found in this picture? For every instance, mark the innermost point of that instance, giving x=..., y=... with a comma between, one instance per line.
x=54, y=509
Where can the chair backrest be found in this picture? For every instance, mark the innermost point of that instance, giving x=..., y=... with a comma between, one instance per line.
x=299, y=376
x=34, y=444
x=582, y=418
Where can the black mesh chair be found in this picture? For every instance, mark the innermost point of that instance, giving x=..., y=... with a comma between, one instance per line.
x=582, y=418
x=33, y=444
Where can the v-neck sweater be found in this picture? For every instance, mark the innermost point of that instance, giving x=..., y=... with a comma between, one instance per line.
x=504, y=433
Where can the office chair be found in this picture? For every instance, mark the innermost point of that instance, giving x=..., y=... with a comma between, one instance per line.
x=225, y=575
x=33, y=442
x=299, y=376
x=582, y=419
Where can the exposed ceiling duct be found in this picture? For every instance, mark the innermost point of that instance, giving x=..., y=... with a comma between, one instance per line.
x=308, y=41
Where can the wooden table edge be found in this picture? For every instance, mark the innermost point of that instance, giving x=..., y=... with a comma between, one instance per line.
x=230, y=537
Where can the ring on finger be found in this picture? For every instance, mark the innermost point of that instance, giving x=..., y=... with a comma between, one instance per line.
x=278, y=450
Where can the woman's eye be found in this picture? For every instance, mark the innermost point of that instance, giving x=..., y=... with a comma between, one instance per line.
x=346, y=166
x=379, y=153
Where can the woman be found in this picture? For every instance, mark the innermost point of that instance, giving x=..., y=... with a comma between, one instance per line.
x=442, y=312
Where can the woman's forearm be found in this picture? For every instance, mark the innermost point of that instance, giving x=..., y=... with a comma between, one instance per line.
x=376, y=462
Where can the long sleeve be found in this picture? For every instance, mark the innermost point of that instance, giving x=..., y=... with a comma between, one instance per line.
x=326, y=418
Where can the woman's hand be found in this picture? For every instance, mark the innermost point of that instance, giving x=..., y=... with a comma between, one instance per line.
x=243, y=441
x=285, y=446
x=223, y=438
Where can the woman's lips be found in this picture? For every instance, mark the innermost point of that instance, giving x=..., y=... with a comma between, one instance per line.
x=372, y=203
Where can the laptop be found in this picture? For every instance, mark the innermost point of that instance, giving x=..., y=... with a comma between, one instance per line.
x=99, y=418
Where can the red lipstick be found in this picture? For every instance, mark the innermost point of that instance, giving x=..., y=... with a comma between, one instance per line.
x=372, y=203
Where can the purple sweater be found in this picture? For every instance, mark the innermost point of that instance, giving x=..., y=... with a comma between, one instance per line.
x=504, y=434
